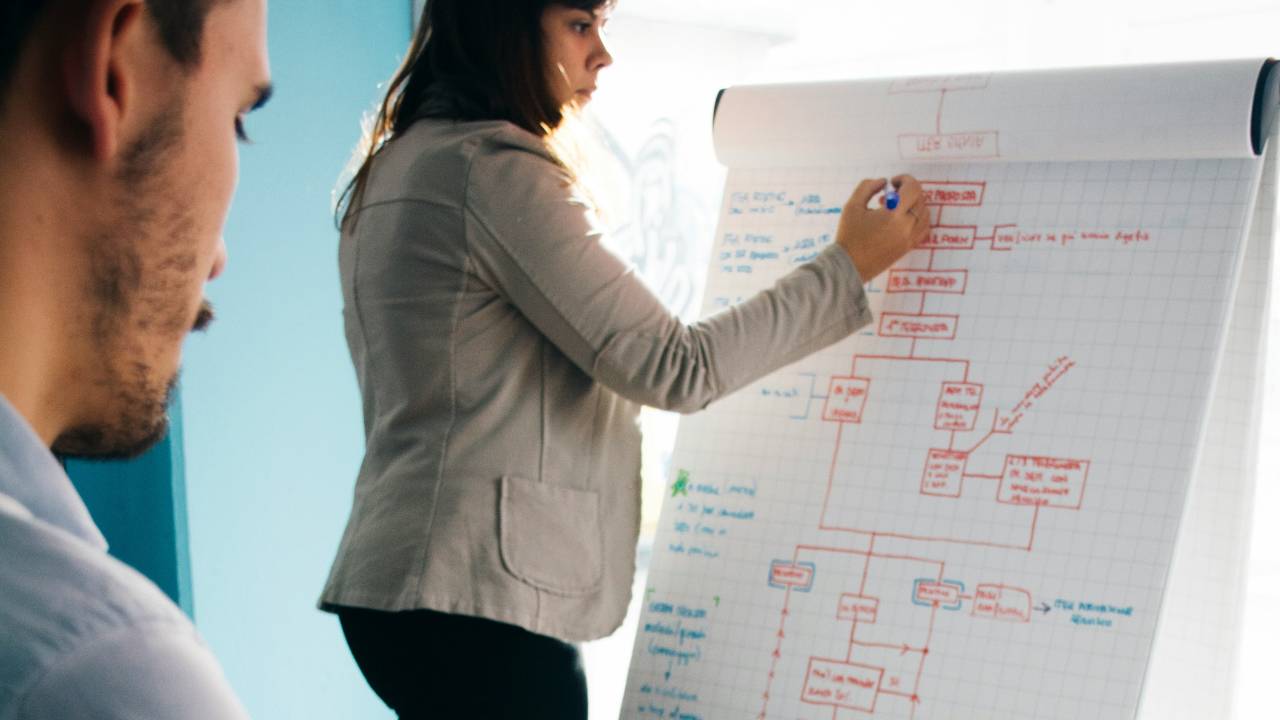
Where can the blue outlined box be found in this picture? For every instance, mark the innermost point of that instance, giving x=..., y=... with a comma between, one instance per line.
x=942, y=594
x=798, y=576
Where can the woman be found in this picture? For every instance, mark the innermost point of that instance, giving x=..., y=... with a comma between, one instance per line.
x=503, y=355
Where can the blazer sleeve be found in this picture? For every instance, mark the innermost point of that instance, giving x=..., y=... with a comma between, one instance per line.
x=537, y=244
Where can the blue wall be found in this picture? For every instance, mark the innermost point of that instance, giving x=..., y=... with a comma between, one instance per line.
x=272, y=414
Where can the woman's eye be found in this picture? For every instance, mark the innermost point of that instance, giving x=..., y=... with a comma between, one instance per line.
x=240, y=133
x=581, y=27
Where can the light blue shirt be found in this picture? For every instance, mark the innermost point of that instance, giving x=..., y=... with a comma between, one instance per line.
x=81, y=634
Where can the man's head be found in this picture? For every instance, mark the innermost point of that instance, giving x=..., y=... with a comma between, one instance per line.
x=120, y=119
x=180, y=24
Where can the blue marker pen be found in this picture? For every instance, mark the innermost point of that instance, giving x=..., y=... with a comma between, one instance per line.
x=890, y=195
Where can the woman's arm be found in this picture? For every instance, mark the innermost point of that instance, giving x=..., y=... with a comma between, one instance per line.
x=538, y=246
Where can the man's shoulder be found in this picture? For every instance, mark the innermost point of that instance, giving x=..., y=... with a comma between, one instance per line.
x=49, y=573
x=61, y=597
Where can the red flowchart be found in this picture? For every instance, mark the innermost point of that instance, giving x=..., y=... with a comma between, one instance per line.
x=1007, y=496
x=874, y=672
x=974, y=144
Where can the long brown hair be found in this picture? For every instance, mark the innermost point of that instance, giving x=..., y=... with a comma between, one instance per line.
x=469, y=60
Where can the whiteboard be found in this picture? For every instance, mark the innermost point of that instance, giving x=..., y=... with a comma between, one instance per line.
x=1023, y=492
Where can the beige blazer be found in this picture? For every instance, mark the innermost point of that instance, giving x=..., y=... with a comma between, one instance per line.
x=503, y=355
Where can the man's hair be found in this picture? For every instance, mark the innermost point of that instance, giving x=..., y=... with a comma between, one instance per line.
x=180, y=22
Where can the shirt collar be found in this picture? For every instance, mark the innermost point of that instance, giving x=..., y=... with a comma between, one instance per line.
x=31, y=476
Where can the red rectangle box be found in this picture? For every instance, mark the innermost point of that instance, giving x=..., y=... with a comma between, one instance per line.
x=846, y=399
x=1002, y=603
x=782, y=574
x=943, y=473
x=950, y=237
x=1004, y=237
x=958, y=406
x=936, y=592
x=858, y=607
x=922, y=327
x=950, y=282
x=842, y=684
x=939, y=193
x=1051, y=482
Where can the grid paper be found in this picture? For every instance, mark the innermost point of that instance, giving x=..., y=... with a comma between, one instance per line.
x=969, y=509
x=1193, y=665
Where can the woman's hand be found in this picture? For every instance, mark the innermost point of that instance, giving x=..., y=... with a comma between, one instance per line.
x=877, y=238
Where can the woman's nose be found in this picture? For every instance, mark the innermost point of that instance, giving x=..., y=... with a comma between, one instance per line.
x=602, y=57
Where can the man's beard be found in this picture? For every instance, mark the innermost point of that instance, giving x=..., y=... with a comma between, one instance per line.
x=139, y=264
x=143, y=422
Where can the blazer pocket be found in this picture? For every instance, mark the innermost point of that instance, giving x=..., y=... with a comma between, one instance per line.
x=550, y=536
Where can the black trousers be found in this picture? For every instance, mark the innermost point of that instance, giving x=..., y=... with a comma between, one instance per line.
x=428, y=665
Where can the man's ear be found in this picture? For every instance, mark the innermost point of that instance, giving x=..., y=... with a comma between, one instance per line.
x=96, y=71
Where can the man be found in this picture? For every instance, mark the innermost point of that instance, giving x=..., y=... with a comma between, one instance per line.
x=118, y=129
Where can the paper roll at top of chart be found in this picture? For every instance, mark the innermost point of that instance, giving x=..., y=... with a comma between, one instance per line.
x=1025, y=490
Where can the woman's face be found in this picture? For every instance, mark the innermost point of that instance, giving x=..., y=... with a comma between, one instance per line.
x=576, y=52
